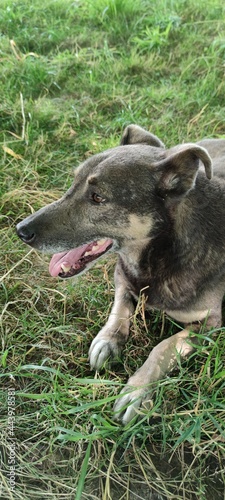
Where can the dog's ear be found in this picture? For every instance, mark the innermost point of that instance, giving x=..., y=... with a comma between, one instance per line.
x=133, y=134
x=178, y=171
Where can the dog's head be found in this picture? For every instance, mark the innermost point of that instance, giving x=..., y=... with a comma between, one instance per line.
x=118, y=197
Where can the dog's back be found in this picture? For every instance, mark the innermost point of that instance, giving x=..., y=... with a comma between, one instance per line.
x=216, y=149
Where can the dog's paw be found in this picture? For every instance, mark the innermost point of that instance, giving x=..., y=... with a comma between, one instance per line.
x=101, y=351
x=130, y=400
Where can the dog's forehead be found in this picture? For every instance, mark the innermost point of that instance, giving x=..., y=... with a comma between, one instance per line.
x=131, y=156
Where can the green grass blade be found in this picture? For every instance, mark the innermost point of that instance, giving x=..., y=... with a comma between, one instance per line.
x=83, y=472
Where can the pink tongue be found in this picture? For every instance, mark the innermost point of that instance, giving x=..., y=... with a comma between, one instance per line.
x=66, y=258
x=71, y=258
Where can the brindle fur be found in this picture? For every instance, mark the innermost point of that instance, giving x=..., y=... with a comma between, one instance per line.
x=166, y=217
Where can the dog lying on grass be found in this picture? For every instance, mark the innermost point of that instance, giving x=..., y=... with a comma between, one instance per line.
x=164, y=214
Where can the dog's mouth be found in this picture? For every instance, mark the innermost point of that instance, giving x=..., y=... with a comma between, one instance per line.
x=68, y=264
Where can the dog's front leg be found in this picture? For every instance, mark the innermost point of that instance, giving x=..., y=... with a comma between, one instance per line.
x=162, y=359
x=110, y=340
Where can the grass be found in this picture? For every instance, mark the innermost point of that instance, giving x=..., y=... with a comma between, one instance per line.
x=73, y=75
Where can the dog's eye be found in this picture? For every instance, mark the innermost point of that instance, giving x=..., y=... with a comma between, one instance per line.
x=97, y=198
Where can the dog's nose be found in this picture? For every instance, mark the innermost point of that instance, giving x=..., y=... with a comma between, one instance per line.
x=26, y=233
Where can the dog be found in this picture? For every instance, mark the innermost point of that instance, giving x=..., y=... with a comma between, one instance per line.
x=163, y=212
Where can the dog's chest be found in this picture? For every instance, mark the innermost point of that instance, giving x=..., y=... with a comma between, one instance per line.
x=158, y=293
x=161, y=290
x=162, y=295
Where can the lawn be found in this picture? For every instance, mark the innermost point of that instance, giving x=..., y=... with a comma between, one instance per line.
x=73, y=75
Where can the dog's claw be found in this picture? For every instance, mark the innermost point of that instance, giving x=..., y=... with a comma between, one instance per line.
x=129, y=402
x=101, y=351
